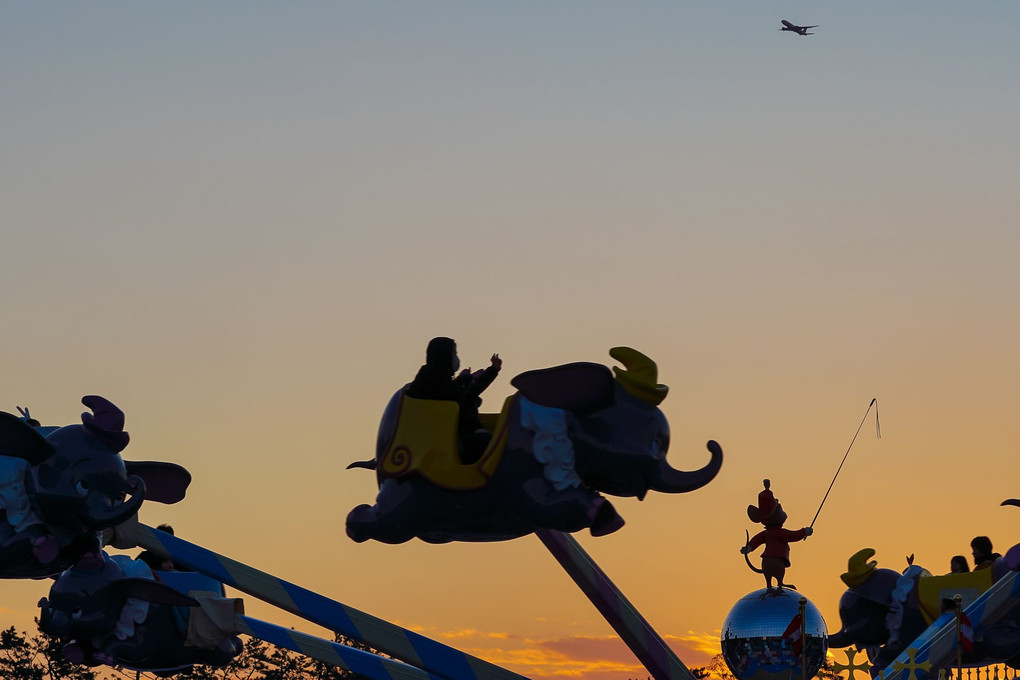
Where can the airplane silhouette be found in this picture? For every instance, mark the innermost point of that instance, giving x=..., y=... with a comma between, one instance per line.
x=799, y=30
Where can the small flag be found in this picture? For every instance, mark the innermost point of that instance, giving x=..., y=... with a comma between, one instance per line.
x=966, y=633
x=792, y=634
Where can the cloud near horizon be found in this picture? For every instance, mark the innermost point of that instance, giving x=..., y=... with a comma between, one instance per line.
x=472, y=633
x=574, y=656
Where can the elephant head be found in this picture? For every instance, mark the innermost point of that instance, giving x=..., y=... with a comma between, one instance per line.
x=111, y=610
x=620, y=445
x=84, y=479
x=569, y=434
x=59, y=488
x=865, y=604
x=87, y=599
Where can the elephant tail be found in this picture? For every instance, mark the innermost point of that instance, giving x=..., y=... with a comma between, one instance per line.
x=747, y=559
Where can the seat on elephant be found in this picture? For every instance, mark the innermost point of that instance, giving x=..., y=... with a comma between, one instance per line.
x=424, y=442
x=213, y=620
x=932, y=591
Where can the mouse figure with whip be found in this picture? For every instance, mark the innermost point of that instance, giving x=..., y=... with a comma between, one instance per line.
x=775, y=558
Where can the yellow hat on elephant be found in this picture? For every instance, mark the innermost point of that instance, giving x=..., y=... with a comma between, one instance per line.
x=859, y=568
x=639, y=375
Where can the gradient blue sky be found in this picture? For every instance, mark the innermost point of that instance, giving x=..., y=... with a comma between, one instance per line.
x=242, y=222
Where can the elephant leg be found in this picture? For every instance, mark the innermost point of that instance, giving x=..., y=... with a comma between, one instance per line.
x=220, y=655
x=17, y=549
x=366, y=522
x=358, y=522
x=80, y=653
x=606, y=520
x=1001, y=640
x=393, y=518
x=886, y=655
x=573, y=509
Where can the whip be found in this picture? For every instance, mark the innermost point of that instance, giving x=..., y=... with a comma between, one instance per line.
x=878, y=434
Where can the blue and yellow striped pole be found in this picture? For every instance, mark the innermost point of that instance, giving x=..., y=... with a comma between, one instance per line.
x=346, y=658
x=937, y=645
x=399, y=643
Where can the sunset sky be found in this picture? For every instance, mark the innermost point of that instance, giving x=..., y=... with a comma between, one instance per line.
x=242, y=223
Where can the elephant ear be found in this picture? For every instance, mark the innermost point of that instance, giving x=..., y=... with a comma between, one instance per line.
x=150, y=591
x=579, y=388
x=164, y=482
x=20, y=440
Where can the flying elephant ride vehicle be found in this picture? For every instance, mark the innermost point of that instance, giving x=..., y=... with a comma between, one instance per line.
x=569, y=434
x=119, y=612
x=61, y=486
x=884, y=611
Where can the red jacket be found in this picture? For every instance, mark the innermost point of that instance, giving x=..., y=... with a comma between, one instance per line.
x=777, y=542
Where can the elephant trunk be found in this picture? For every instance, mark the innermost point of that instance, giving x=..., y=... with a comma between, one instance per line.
x=839, y=639
x=104, y=508
x=671, y=480
x=55, y=623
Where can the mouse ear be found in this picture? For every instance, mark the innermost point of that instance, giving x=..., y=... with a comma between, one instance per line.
x=753, y=514
x=18, y=439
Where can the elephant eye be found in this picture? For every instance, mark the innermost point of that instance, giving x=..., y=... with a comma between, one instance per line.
x=82, y=488
x=76, y=614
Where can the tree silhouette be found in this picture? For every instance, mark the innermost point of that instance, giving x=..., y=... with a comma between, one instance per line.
x=40, y=657
x=716, y=669
x=36, y=657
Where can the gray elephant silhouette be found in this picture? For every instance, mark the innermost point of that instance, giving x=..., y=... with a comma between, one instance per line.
x=569, y=434
x=883, y=611
x=111, y=610
x=60, y=486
